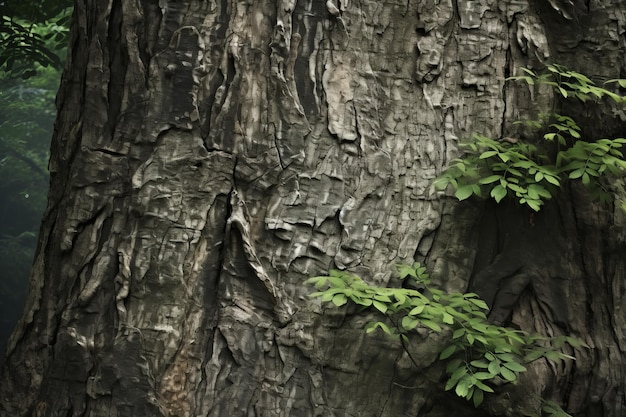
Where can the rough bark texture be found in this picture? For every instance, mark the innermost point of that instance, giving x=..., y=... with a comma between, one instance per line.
x=210, y=156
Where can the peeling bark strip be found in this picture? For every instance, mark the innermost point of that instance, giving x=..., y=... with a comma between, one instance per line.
x=210, y=156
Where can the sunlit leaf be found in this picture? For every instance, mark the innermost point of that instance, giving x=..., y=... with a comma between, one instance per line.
x=339, y=300
x=514, y=366
x=498, y=192
x=382, y=307
x=464, y=192
x=431, y=325
x=507, y=374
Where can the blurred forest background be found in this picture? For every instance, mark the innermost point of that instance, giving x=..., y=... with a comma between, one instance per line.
x=33, y=39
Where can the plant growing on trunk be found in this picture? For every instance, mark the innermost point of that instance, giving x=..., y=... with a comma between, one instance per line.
x=529, y=172
x=478, y=354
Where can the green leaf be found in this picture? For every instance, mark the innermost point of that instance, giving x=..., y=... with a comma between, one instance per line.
x=479, y=303
x=490, y=179
x=464, y=192
x=450, y=383
x=457, y=374
x=477, y=398
x=461, y=166
x=585, y=178
x=482, y=386
x=409, y=323
x=318, y=282
x=621, y=82
x=482, y=340
x=487, y=154
x=507, y=374
x=533, y=204
x=566, y=356
x=458, y=333
x=417, y=310
x=506, y=357
x=406, y=271
x=431, y=325
x=483, y=375
x=441, y=183
x=339, y=300
x=553, y=180
x=539, y=191
x=576, y=173
x=505, y=157
x=382, y=307
x=524, y=164
x=327, y=296
x=516, y=188
x=498, y=193
x=494, y=367
x=316, y=294
x=514, y=366
x=362, y=301
x=370, y=328
x=447, y=352
x=339, y=282
x=479, y=363
x=401, y=298
x=463, y=386
x=379, y=296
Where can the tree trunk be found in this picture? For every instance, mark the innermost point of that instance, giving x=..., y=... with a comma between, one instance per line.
x=209, y=157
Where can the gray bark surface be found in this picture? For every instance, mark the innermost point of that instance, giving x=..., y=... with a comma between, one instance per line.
x=209, y=157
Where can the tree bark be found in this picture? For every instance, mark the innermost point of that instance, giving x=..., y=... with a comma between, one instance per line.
x=208, y=157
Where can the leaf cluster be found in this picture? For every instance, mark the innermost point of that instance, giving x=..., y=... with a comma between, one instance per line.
x=478, y=354
x=533, y=173
x=31, y=34
x=502, y=169
x=570, y=84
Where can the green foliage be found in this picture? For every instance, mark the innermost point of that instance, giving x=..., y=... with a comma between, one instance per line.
x=503, y=169
x=570, y=84
x=478, y=353
x=32, y=33
x=532, y=173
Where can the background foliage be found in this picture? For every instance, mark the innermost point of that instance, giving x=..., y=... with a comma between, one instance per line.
x=32, y=49
x=32, y=33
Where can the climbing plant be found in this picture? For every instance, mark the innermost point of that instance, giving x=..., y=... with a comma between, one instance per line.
x=477, y=353
x=531, y=171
